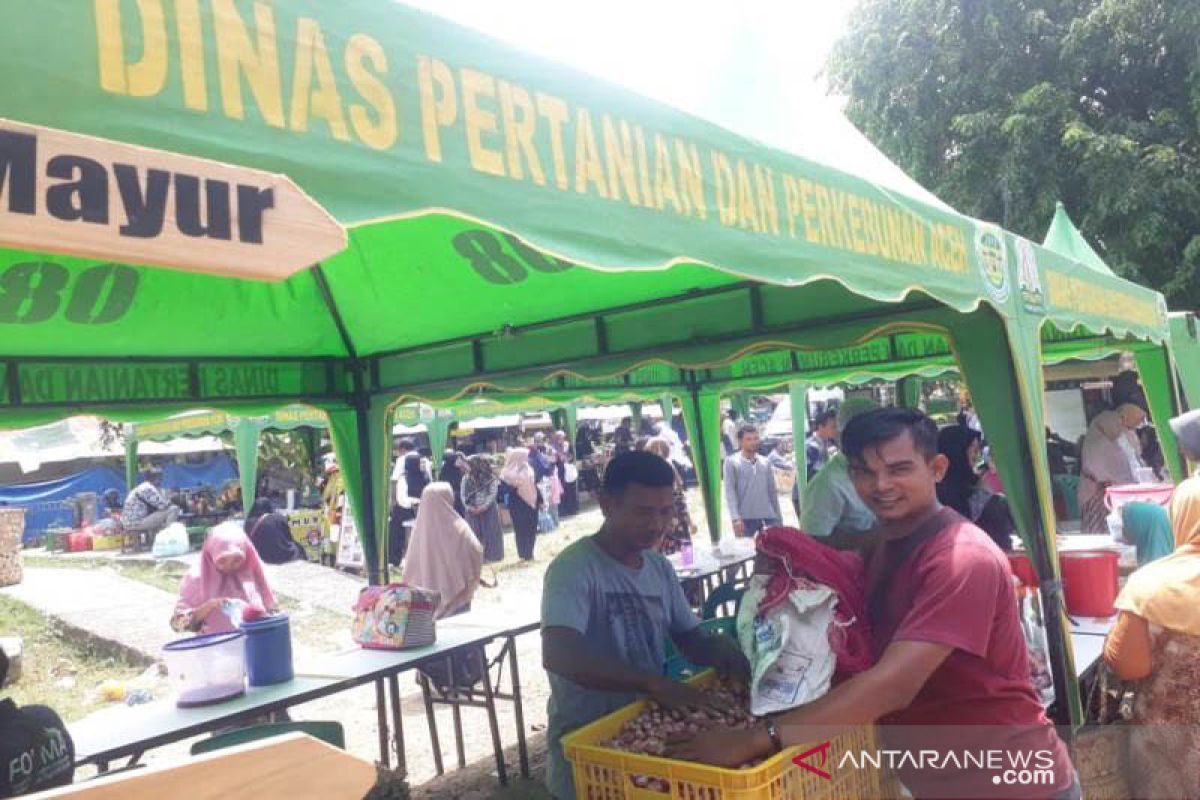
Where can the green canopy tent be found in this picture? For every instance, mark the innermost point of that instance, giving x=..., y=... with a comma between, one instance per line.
x=515, y=228
x=1185, y=347
x=246, y=429
x=1154, y=362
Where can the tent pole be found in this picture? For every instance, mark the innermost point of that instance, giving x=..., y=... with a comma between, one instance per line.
x=702, y=456
x=245, y=443
x=1154, y=369
x=377, y=573
x=798, y=397
x=131, y=462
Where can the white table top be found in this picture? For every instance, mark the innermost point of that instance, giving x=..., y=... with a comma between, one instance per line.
x=1092, y=626
x=121, y=730
x=1088, y=650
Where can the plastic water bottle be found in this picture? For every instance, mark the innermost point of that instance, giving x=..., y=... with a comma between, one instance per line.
x=686, y=556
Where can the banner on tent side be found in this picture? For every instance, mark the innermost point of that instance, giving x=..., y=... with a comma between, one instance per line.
x=48, y=383
x=67, y=193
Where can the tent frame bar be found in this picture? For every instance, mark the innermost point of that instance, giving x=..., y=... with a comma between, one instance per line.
x=905, y=311
x=513, y=330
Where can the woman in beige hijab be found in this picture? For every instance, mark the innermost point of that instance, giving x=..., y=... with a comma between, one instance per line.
x=1105, y=462
x=443, y=553
x=523, y=499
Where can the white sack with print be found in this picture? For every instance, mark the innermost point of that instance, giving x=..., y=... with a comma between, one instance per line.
x=791, y=662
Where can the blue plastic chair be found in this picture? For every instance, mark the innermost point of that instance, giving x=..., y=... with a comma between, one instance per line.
x=720, y=598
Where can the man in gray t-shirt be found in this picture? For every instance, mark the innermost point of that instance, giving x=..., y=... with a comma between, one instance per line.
x=608, y=604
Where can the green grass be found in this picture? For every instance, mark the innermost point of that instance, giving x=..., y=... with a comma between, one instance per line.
x=51, y=654
x=163, y=575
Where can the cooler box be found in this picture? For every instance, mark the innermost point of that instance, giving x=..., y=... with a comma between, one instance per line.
x=78, y=541
x=108, y=542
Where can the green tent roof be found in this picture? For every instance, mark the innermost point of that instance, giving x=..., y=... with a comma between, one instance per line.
x=1065, y=239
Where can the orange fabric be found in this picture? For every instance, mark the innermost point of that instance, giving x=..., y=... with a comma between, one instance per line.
x=1127, y=648
x=1166, y=592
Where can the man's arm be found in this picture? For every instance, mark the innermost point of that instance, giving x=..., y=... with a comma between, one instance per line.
x=566, y=652
x=713, y=650
x=731, y=498
x=886, y=687
x=820, y=508
x=156, y=499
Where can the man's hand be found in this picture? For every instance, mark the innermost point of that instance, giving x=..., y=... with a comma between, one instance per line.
x=721, y=747
x=739, y=527
x=680, y=696
x=729, y=660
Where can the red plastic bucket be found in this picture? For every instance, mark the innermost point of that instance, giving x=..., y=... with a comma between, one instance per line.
x=1022, y=567
x=1089, y=582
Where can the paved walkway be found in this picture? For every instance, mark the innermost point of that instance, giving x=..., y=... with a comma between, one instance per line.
x=315, y=585
x=103, y=604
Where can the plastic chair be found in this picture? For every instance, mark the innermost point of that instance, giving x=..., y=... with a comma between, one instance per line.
x=328, y=732
x=721, y=597
x=677, y=667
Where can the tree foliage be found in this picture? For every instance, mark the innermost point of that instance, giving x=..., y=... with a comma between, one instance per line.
x=1002, y=107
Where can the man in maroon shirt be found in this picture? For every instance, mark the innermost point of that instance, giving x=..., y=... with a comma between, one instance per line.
x=948, y=642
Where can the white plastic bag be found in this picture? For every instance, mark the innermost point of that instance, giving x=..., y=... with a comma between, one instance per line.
x=171, y=541
x=791, y=661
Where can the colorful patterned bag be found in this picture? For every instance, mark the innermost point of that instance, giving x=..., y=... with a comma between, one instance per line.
x=395, y=617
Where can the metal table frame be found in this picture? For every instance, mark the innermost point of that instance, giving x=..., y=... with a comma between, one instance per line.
x=465, y=697
x=320, y=686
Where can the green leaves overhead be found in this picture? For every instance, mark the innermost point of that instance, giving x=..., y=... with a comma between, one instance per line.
x=1003, y=108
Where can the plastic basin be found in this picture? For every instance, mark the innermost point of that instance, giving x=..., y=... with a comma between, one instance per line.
x=206, y=669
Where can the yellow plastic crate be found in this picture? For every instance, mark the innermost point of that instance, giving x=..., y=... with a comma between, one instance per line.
x=107, y=542
x=602, y=773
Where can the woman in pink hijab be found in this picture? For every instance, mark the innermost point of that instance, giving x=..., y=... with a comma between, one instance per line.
x=443, y=553
x=229, y=569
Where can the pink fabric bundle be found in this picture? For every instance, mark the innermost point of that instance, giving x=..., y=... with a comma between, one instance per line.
x=803, y=558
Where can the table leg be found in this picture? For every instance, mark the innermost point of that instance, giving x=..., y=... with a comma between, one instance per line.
x=382, y=722
x=398, y=722
x=518, y=709
x=459, y=744
x=432, y=720
x=493, y=722
x=101, y=767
